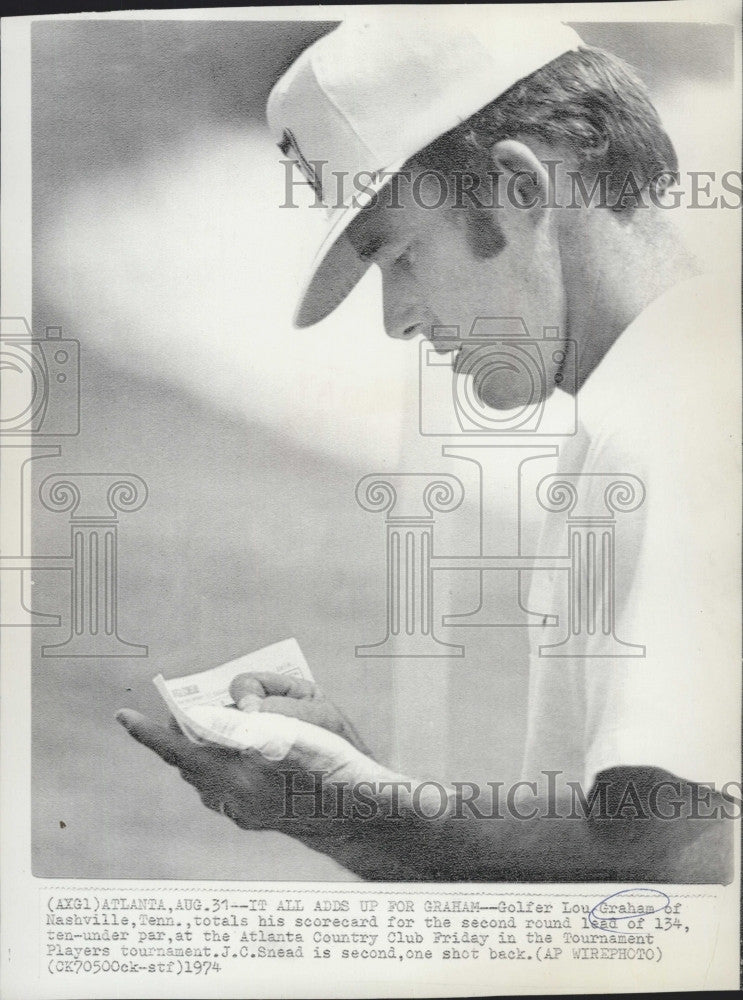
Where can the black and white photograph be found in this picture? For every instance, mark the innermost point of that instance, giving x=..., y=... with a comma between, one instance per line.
x=370, y=446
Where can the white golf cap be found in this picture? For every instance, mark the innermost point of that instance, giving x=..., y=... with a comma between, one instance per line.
x=366, y=97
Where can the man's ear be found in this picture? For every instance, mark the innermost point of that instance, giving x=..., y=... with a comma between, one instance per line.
x=525, y=181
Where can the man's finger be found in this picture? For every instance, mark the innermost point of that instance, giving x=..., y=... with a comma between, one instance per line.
x=247, y=692
x=249, y=688
x=171, y=747
x=293, y=707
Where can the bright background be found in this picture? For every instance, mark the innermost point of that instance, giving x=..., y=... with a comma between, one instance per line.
x=159, y=245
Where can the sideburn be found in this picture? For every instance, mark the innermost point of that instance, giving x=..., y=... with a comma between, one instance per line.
x=484, y=235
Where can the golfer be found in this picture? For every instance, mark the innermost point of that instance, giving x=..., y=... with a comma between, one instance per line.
x=512, y=171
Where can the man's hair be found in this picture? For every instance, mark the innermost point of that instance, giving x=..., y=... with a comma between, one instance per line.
x=586, y=103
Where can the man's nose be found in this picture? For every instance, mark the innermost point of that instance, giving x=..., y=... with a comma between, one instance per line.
x=402, y=331
x=400, y=318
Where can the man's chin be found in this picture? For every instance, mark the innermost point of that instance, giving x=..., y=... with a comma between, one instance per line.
x=497, y=394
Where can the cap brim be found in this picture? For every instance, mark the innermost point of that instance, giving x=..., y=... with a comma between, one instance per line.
x=337, y=268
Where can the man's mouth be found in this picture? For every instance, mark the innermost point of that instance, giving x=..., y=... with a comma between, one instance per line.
x=453, y=347
x=444, y=348
x=459, y=359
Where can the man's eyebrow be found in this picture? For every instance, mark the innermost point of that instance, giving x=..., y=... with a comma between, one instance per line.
x=370, y=247
x=368, y=236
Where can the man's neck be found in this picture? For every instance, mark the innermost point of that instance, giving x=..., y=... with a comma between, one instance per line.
x=618, y=270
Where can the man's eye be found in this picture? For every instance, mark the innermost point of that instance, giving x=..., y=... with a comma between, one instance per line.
x=406, y=258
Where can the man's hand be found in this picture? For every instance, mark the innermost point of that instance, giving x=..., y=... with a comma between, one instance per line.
x=300, y=699
x=301, y=779
x=282, y=751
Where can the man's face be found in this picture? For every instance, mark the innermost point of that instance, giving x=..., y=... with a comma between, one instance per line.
x=432, y=277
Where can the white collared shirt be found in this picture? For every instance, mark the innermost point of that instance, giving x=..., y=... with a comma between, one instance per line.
x=662, y=407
